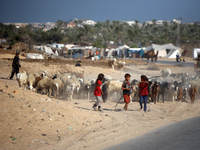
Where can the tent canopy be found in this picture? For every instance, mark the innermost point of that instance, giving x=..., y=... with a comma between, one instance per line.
x=195, y=52
x=161, y=47
x=173, y=53
x=123, y=47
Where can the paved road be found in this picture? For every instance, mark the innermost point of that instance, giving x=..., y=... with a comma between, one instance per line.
x=186, y=64
x=183, y=135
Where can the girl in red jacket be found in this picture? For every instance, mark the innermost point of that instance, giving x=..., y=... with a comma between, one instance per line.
x=143, y=86
x=98, y=91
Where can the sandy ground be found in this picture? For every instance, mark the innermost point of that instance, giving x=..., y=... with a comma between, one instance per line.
x=30, y=120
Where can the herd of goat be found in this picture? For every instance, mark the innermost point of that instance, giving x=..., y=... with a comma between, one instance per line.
x=68, y=86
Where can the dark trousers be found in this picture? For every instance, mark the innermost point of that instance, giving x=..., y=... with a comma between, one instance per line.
x=14, y=70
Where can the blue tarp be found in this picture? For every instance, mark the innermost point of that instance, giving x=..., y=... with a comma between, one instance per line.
x=78, y=55
x=134, y=49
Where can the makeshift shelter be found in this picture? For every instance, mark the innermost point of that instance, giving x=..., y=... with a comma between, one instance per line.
x=173, y=53
x=114, y=53
x=195, y=52
x=162, y=49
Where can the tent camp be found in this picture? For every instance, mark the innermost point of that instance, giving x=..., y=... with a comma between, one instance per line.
x=195, y=52
x=162, y=49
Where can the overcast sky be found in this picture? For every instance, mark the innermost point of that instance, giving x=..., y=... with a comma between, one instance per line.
x=98, y=10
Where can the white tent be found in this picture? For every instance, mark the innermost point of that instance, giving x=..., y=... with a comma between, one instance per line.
x=110, y=52
x=162, y=49
x=123, y=47
x=195, y=52
x=173, y=53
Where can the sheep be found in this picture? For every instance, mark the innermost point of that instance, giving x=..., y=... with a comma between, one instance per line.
x=66, y=75
x=120, y=64
x=59, y=75
x=73, y=78
x=192, y=93
x=167, y=91
x=107, y=77
x=37, y=79
x=22, y=79
x=92, y=81
x=78, y=86
x=111, y=63
x=105, y=91
x=114, y=86
x=69, y=88
x=57, y=86
x=46, y=74
x=31, y=81
x=166, y=73
x=92, y=88
x=40, y=72
x=81, y=80
x=135, y=91
x=86, y=86
x=37, y=75
x=65, y=79
x=44, y=84
x=80, y=75
x=77, y=83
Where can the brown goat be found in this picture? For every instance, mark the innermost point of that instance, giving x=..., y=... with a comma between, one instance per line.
x=180, y=94
x=192, y=92
x=37, y=79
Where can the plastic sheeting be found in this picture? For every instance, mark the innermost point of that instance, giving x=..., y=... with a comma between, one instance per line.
x=34, y=56
x=44, y=50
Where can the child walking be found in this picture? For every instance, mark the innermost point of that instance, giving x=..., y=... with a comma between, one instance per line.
x=126, y=87
x=143, y=86
x=98, y=91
